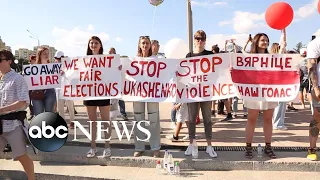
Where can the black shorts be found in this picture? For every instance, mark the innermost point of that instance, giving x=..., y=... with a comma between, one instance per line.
x=305, y=85
x=102, y=102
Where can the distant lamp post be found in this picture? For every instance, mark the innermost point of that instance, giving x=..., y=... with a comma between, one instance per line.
x=190, y=26
x=34, y=37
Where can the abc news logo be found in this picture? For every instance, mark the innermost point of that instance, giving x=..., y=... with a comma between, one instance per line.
x=48, y=131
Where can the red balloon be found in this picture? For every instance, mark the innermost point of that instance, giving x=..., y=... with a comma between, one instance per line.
x=279, y=15
x=319, y=6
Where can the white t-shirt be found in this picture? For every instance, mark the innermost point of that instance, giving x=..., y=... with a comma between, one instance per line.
x=313, y=51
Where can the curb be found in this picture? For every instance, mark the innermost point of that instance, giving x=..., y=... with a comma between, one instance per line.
x=202, y=164
x=20, y=175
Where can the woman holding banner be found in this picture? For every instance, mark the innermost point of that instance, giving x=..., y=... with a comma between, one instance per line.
x=193, y=108
x=95, y=48
x=260, y=45
x=43, y=100
x=144, y=51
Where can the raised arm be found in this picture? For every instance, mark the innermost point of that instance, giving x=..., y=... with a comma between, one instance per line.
x=245, y=46
x=283, y=42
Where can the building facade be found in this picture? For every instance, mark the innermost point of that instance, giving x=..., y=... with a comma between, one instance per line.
x=3, y=45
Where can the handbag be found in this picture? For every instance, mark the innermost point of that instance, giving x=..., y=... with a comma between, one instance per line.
x=37, y=94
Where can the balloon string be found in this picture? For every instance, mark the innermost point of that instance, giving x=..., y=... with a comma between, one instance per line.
x=154, y=15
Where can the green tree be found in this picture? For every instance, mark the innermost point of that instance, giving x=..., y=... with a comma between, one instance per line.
x=298, y=47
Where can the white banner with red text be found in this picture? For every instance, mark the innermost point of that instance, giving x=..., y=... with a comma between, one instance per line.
x=272, y=78
x=91, y=78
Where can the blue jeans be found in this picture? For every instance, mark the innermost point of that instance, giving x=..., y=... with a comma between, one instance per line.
x=279, y=114
x=45, y=105
x=173, y=114
x=122, y=106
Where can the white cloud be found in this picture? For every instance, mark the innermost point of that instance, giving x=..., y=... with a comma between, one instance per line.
x=118, y=39
x=220, y=3
x=74, y=42
x=306, y=10
x=245, y=22
x=90, y=27
x=209, y=3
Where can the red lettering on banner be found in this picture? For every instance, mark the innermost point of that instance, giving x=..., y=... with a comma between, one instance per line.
x=247, y=60
x=223, y=89
x=239, y=61
x=94, y=62
x=275, y=62
x=149, y=89
x=45, y=80
x=200, y=78
x=264, y=61
x=152, y=68
x=72, y=65
x=287, y=62
x=90, y=75
x=206, y=65
x=248, y=91
x=89, y=90
x=276, y=92
x=205, y=91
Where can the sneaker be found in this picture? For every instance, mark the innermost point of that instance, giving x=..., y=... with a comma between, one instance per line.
x=280, y=128
x=312, y=155
x=91, y=153
x=228, y=118
x=291, y=108
x=172, y=138
x=186, y=137
x=235, y=115
x=156, y=154
x=173, y=125
x=106, y=153
x=137, y=153
x=125, y=117
x=211, y=152
x=213, y=113
x=192, y=150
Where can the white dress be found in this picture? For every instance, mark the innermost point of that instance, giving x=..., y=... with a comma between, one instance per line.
x=260, y=105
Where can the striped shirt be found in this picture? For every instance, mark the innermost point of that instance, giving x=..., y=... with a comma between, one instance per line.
x=13, y=88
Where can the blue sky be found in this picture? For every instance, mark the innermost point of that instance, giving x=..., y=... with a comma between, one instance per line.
x=67, y=25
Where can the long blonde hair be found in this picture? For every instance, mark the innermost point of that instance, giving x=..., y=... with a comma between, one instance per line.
x=275, y=48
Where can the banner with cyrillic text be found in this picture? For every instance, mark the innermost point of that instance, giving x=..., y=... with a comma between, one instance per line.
x=42, y=76
x=94, y=77
x=149, y=79
x=272, y=78
x=205, y=78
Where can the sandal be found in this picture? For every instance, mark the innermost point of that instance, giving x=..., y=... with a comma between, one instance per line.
x=268, y=150
x=248, y=153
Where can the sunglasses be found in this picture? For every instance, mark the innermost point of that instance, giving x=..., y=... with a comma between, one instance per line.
x=148, y=37
x=200, y=38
